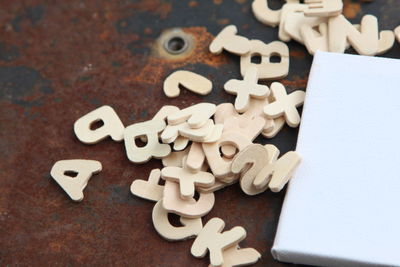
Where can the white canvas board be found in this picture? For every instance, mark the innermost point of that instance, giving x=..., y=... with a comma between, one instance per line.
x=342, y=207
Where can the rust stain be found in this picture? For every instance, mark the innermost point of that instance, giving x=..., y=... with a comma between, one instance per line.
x=240, y=1
x=148, y=30
x=193, y=4
x=223, y=21
x=158, y=7
x=104, y=35
x=55, y=246
x=156, y=67
x=217, y=2
x=297, y=54
x=296, y=82
x=351, y=9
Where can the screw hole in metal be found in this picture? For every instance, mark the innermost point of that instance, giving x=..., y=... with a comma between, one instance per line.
x=176, y=45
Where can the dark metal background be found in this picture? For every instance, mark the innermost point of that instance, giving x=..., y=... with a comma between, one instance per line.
x=62, y=59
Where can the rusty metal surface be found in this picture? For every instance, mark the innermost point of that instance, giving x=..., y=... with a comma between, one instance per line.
x=61, y=59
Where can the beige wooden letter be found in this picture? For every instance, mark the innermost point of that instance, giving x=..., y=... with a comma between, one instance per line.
x=187, y=180
x=220, y=166
x=296, y=20
x=285, y=104
x=229, y=40
x=208, y=130
x=288, y=12
x=278, y=125
x=190, y=228
x=180, y=143
x=323, y=8
x=278, y=173
x=264, y=14
x=191, y=208
x=315, y=40
x=210, y=238
x=217, y=185
x=153, y=148
x=175, y=158
x=162, y=114
x=190, y=80
x=80, y=169
x=365, y=41
x=196, y=115
x=266, y=69
x=150, y=189
x=249, y=124
x=257, y=156
x=246, y=88
x=207, y=133
x=195, y=158
x=112, y=126
x=235, y=256
x=385, y=42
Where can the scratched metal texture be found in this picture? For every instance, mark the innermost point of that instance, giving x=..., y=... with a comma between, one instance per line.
x=62, y=59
